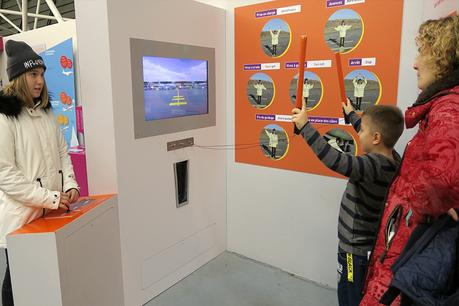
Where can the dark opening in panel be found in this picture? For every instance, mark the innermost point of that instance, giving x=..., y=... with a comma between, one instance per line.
x=181, y=182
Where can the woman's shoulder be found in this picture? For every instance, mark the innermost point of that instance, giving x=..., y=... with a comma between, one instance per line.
x=10, y=106
x=447, y=98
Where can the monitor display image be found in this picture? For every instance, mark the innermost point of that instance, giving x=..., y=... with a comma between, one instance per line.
x=174, y=87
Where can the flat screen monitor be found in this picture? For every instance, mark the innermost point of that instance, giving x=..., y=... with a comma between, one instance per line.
x=173, y=87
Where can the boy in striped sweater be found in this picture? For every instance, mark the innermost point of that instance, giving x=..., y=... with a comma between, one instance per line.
x=369, y=178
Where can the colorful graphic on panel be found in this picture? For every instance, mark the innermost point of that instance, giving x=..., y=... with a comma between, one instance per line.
x=367, y=35
x=60, y=79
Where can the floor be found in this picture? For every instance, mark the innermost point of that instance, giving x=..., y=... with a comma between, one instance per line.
x=233, y=280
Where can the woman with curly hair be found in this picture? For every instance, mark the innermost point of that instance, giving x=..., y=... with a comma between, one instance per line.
x=427, y=184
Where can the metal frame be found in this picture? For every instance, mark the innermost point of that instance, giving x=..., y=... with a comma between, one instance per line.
x=23, y=11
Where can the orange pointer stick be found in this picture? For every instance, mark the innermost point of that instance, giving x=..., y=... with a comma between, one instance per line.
x=339, y=70
x=342, y=90
x=299, y=88
x=301, y=62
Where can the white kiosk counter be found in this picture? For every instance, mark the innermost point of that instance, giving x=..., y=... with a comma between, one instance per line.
x=69, y=258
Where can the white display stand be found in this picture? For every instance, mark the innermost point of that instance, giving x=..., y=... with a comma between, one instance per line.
x=69, y=258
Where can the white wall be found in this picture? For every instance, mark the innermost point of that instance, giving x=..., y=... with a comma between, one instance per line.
x=96, y=95
x=434, y=9
x=289, y=219
x=160, y=243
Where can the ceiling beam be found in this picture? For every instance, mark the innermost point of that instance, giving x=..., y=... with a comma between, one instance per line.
x=7, y=29
x=55, y=11
x=25, y=11
x=10, y=12
x=10, y=22
x=37, y=10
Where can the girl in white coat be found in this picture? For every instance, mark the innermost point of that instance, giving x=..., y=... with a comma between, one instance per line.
x=36, y=173
x=273, y=141
x=342, y=29
x=359, y=90
x=274, y=40
x=307, y=86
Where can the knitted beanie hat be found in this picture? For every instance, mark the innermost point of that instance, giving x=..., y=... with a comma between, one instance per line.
x=21, y=58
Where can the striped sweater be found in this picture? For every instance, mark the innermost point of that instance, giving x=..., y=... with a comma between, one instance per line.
x=363, y=200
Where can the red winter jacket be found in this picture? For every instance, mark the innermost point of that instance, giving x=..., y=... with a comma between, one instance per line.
x=427, y=183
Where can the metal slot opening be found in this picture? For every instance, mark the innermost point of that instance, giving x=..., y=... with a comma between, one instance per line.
x=181, y=183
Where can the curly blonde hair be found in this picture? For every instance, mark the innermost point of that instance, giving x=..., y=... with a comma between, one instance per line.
x=439, y=41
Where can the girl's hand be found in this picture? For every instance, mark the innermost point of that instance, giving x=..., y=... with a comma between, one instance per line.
x=73, y=195
x=64, y=201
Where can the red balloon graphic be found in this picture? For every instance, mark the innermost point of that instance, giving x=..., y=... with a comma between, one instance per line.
x=63, y=61
x=63, y=97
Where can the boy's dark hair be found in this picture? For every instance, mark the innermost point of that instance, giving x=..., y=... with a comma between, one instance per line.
x=387, y=120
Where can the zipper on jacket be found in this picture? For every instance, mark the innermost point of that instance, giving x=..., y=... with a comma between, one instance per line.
x=391, y=229
x=62, y=180
x=41, y=185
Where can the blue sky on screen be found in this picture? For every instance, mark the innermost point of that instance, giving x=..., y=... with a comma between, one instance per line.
x=367, y=74
x=276, y=24
x=261, y=76
x=165, y=69
x=345, y=14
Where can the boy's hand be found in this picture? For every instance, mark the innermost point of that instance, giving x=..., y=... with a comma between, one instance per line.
x=347, y=107
x=300, y=117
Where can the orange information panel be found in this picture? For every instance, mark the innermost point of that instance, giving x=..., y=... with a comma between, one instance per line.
x=365, y=33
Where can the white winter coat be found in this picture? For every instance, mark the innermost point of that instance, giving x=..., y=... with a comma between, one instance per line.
x=359, y=89
x=34, y=166
x=273, y=139
x=342, y=29
x=259, y=88
x=306, y=88
x=274, y=37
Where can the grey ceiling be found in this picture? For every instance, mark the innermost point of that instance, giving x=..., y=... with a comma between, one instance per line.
x=65, y=7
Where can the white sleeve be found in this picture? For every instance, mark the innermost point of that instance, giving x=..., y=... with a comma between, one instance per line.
x=13, y=182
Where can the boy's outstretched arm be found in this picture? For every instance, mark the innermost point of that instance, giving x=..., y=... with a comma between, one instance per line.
x=355, y=167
